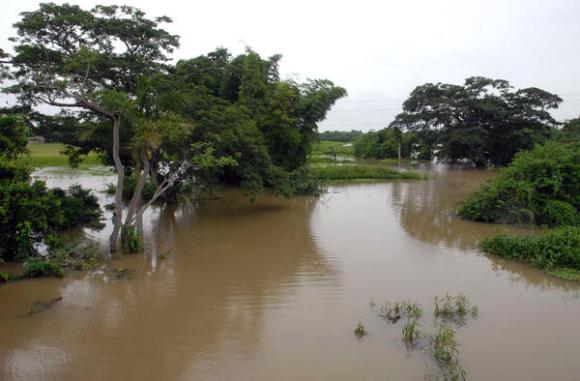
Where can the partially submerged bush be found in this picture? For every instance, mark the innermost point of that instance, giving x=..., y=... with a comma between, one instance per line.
x=130, y=239
x=360, y=330
x=559, y=248
x=39, y=267
x=541, y=187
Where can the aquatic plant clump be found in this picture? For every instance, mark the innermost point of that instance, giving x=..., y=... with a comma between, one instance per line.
x=456, y=309
x=360, y=330
x=445, y=351
x=441, y=344
x=411, y=332
x=405, y=309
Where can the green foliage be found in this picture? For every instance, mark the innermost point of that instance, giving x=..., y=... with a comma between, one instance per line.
x=566, y=274
x=360, y=330
x=411, y=332
x=485, y=121
x=570, y=132
x=441, y=344
x=541, y=186
x=13, y=136
x=131, y=240
x=339, y=136
x=332, y=148
x=4, y=277
x=397, y=310
x=378, y=145
x=35, y=268
x=559, y=248
x=456, y=309
x=129, y=188
x=304, y=183
x=445, y=351
x=361, y=172
x=29, y=212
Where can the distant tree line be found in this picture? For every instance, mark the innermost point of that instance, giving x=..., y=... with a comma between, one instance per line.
x=484, y=121
x=340, y=136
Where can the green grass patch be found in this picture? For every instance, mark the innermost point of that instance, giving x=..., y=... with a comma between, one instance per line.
x=331, y=148
x=50, y=155
x=360, y=172
x=558, y=251
x=567, y=274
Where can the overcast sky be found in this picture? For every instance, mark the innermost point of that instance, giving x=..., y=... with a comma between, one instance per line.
x=380, y=50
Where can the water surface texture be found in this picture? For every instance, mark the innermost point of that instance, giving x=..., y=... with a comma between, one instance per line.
x=273, y=290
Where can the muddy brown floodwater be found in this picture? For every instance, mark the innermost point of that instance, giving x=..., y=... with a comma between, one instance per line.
x=273, y=291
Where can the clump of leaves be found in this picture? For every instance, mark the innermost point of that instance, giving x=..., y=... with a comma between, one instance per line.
x=4, y=277
x=456, y=309
x=360, y=330
x=130, y=239
x=40, y=267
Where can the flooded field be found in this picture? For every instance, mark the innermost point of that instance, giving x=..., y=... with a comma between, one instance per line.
x=273, y=290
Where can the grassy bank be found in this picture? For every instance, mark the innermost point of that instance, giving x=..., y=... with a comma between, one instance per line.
x=50, y=155
x=330, y=148
x=557, y=252
x=360, y=172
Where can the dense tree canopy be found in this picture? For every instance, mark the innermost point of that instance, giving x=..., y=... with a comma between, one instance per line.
x=485, y=121
x=29, y=212
x=340, y=136
x=214, y=118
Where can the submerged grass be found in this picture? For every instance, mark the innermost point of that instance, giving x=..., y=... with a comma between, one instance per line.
x=411, y=332
x=456, y=309
x=440, y=343
x=566, y=274
x=361, y=172
x=445, y=350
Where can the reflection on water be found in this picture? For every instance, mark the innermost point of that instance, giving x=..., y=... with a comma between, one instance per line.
x=427, y=210
x=228, y=289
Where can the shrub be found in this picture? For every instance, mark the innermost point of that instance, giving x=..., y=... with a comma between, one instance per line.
x=557, y=213
x=39, y=267
x=541, y=186
x=560, y=248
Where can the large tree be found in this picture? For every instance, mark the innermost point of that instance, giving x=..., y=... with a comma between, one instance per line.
x=486, y=121
x=92, y=61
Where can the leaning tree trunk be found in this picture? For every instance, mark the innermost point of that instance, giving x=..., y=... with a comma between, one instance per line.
x=118, y=220
x=135, y=203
